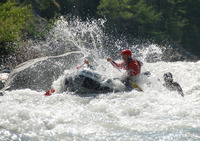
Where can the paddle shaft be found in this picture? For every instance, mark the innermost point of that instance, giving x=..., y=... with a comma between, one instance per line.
x=115, y=65
x=81, y=66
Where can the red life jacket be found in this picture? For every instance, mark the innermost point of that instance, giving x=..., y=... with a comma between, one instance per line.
x=133, y=66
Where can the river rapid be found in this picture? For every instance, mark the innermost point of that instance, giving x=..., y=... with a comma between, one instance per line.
x=155, y=114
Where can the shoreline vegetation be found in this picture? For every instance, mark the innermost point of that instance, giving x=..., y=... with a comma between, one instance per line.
x=159, y=22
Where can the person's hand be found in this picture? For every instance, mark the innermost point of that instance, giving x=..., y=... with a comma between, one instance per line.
x=109, y=59
x=87, y=62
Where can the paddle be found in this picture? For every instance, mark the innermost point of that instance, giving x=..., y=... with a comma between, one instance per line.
x=135, y=85
x=78, y=67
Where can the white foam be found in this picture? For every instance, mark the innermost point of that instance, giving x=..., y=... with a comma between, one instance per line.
x=155, y=114
x=29, y=115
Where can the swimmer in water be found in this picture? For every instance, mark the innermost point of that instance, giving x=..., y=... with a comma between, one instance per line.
x=171, y=85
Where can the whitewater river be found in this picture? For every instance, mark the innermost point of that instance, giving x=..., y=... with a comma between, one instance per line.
x=155, y=114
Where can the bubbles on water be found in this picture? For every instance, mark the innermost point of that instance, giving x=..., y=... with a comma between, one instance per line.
x=154, y=114
x=71, y=33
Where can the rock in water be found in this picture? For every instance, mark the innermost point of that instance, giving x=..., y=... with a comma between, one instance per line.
x=38, y=74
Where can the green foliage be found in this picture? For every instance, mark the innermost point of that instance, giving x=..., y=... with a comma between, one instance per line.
x=14, y=19
x=45, y=8
x=147, y=18
x=116, y=9
x=139, y=15
x=191, y=31
x=82, y=8
x=174, y=20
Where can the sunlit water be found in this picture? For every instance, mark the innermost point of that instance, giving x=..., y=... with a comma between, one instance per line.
x=155, y=114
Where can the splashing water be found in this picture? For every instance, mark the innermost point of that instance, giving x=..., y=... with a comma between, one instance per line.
x=155, y=114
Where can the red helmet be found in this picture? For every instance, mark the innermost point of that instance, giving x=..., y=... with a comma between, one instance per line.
x=126, y=52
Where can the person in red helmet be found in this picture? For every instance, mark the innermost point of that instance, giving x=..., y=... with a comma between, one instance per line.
x=132, y=66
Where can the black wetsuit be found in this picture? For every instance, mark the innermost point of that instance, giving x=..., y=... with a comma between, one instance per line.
x=174, y=86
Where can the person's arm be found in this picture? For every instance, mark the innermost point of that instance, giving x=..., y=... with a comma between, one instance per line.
x=90, y=66
x=119, y=65
x=179, y=89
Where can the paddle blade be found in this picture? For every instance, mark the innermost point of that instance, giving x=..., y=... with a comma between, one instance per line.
x=136, y=86
x=49, y=92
